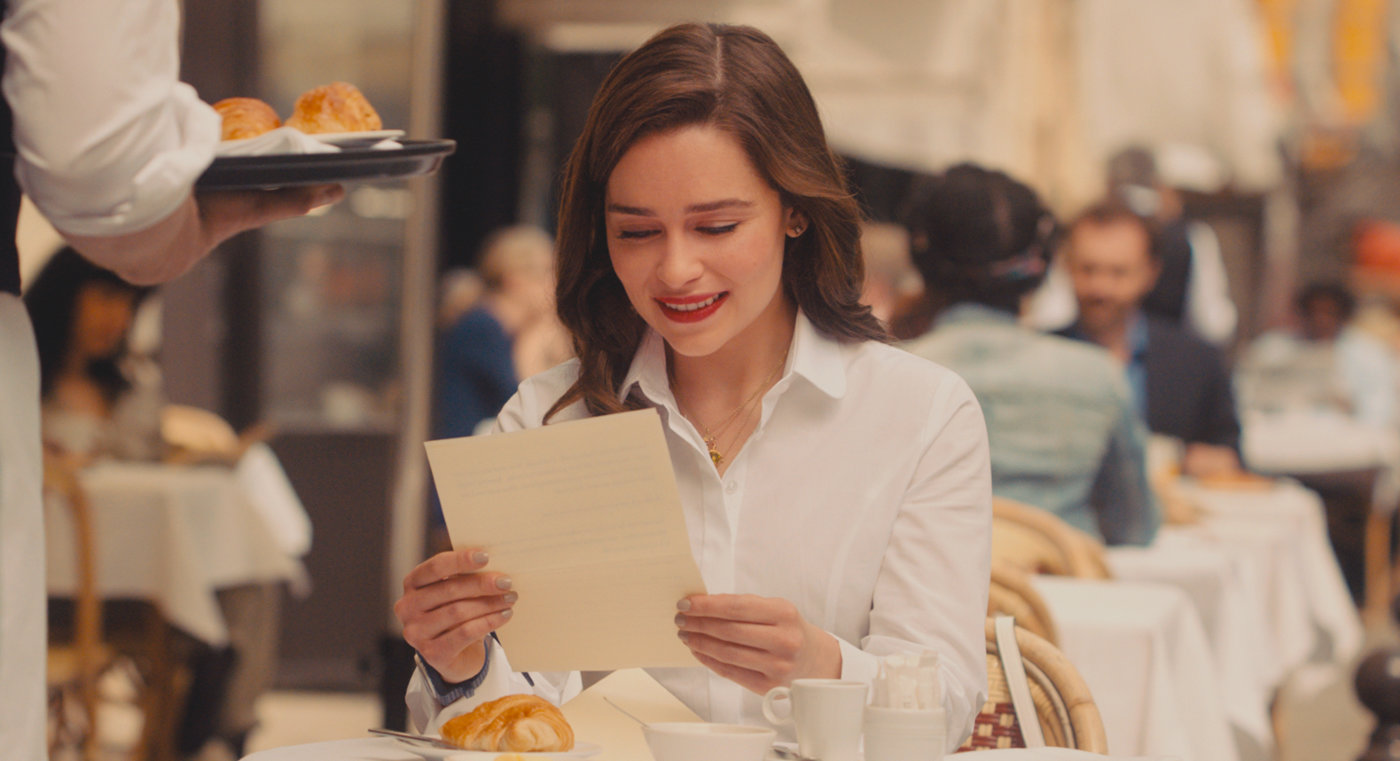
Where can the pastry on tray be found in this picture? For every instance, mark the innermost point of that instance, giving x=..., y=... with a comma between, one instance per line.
x=514, y=724
x=336, y=107
x=246, y=117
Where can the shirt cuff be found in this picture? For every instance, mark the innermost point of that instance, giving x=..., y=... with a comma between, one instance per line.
x=856, y=664
x=446, y=692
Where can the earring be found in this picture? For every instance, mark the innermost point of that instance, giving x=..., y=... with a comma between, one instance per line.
x=797, y=231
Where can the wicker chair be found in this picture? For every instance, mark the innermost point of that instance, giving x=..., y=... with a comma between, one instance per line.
x=1011, y=594
x=75, y=663
x=1037, y=541
x=1066, y=711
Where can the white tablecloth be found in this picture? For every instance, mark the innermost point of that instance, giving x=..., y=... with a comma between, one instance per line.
x=385, y=749
x=1144, y=654
x=1282, y=533
x=1299, y=442
x=1232, y=618
x=175, y=535
x=1262, y=576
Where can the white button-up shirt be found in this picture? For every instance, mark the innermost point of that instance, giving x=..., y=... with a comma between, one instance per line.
x=108, y=141
x=863, y=497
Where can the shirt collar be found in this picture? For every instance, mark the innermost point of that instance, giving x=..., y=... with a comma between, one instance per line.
x=812, y=356
x=1137, y=336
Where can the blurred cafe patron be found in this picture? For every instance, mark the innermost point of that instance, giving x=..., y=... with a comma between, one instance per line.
x=1191, y=291
x=100, y=134
x=1179, y=383
x=1063, y=431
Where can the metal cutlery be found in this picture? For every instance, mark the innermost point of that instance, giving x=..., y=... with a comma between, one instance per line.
x=432, y=742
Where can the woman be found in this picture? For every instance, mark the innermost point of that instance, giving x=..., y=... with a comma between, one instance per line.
x=82, y=314
x=836, y=490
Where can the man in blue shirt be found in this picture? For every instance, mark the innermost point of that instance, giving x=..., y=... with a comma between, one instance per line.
x=1179, y=382
x=1064, y=435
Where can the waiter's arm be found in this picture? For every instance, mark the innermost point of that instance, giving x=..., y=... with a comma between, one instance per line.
x=172, y=245
x=109, y=143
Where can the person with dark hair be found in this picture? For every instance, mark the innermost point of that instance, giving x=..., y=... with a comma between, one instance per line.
x=1192, y=290
x=1179, y=383
x=1063, y=432
x=1323, y=364
x=836, y=489
x=82, y=314
x=99, y=401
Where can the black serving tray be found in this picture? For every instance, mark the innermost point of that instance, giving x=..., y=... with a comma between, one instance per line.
x=417, y=157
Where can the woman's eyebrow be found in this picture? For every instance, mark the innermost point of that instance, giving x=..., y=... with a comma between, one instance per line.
x=641, y=211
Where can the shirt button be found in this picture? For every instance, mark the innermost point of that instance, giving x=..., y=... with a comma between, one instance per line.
x=730, y=487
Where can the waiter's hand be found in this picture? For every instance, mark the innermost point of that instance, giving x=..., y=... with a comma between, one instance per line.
x=226, y=213
x=171, y=246
x=448, y=608
x=758, y=642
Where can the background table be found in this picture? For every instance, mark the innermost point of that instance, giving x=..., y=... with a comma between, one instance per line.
x=1143, y=652
x=1260, y=571
x=175, y=535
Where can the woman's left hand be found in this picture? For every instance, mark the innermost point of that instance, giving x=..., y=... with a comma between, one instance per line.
x=757, y=642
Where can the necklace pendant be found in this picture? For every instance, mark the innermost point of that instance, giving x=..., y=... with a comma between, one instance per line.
x=715, y=456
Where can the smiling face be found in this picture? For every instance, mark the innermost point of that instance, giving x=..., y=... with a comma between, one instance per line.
x=696, y=237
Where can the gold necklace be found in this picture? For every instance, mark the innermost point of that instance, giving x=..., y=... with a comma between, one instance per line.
x=711, y=435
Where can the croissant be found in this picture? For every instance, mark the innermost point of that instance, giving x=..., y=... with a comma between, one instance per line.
x=336, y=107
x=246, y=117
x=514, y=723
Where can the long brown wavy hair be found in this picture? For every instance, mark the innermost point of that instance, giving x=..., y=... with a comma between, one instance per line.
x=737, y=79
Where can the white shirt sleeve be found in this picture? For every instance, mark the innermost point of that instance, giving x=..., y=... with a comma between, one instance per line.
x=936, y=569
x=1052, y=306
x=108, y=140
x=1208, y=306
x=426, y=715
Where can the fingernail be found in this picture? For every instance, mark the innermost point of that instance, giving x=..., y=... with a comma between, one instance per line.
x=680, y=619
x=683, y=636
x=503, y=582
x=510, y=597
x=508, y=612
x=480, y=557
x=683, y=605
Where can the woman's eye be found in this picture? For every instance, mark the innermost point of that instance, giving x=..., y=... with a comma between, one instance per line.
x=635, y=234
x=718, y=229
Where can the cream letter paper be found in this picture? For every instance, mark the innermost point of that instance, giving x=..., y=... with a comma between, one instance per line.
x=586, y=518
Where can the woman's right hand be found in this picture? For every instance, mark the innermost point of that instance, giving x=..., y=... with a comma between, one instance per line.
x=449, y=606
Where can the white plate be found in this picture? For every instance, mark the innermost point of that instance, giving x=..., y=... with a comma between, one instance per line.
x=358, y=138
x=581, y=750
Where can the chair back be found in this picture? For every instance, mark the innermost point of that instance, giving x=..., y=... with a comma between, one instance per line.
x=1011, y=594
x=1037, y=541
x=1062, y=703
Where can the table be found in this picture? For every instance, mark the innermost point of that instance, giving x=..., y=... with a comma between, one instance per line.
x=1326, y=445
x=1143, y=652
x=385, y=749
x=1233, y=620
x=175, y=535
x=1261, y=573
x=1288, y=524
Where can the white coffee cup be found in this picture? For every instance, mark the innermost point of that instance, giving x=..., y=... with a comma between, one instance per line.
x=826, y=714
x=898, y=734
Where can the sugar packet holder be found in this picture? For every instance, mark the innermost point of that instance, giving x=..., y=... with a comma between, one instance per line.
x=905, y=720
x=908, y=681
